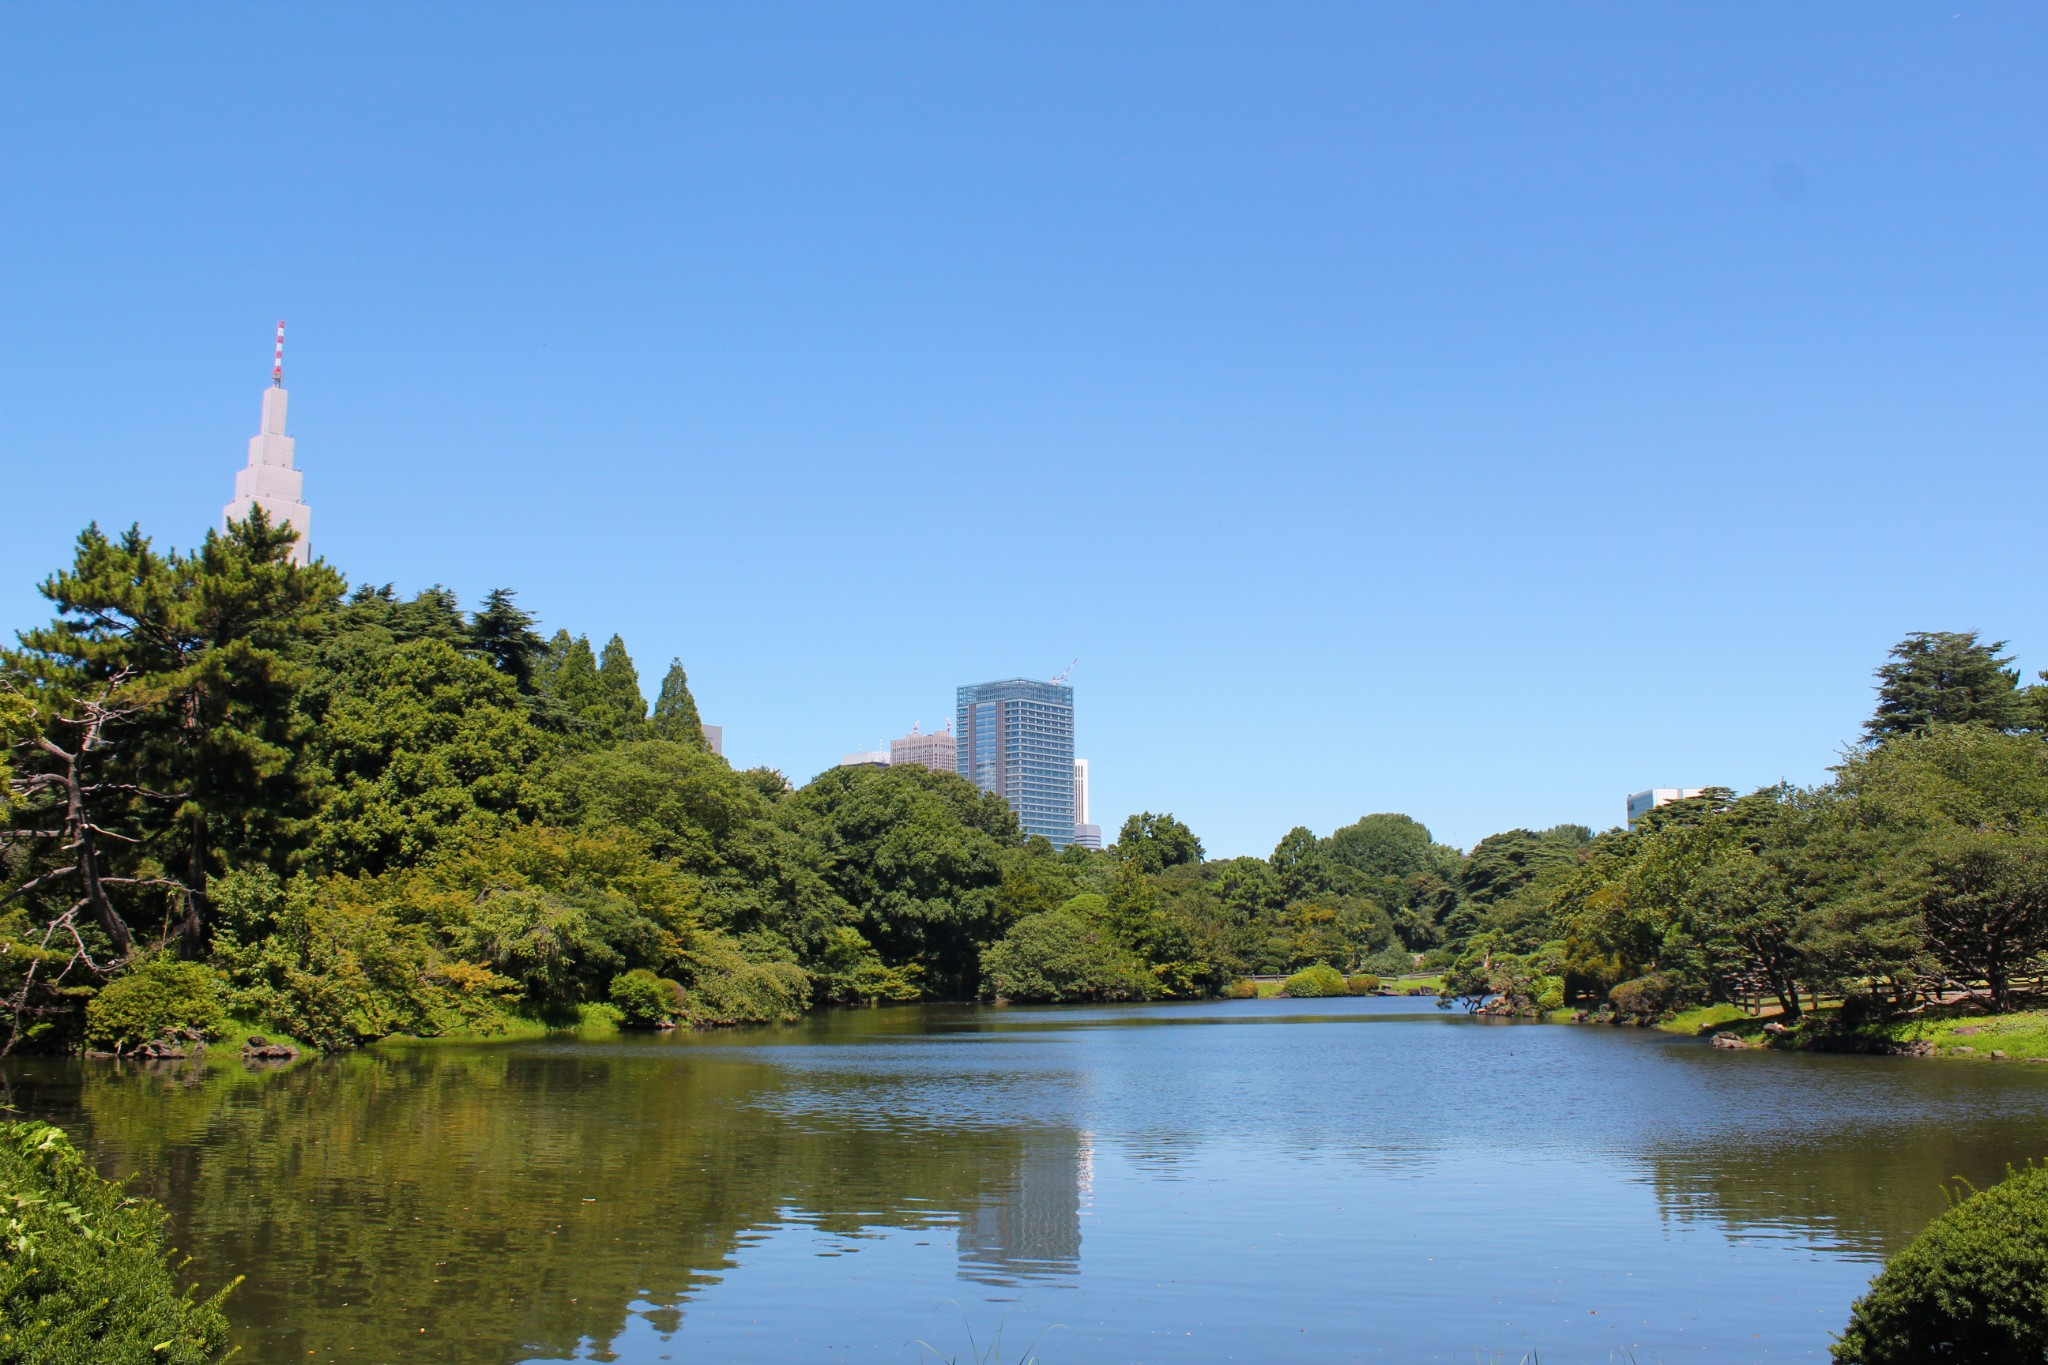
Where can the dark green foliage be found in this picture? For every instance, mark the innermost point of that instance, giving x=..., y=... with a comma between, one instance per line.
x=1157, y=842
x=919, y=857
x=504, y=635
x=627, y=705
x=1389, y=846
x=157, y=998
x=675, y=710
x=1946, y=678
x=415, y=746
x=83, y=1273
x=648, y=1001
x=1972, y=1287
x=1062, y=955
x=1319, y=980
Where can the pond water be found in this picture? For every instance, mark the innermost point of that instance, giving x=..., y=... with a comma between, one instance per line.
x=1253, y=1180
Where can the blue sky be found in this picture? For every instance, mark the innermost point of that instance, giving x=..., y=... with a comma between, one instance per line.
x=1478, y=411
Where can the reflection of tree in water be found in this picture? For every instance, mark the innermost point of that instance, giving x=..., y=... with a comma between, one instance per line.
x=1031, y=1228
x=1865, y=1190
x=515, y=1201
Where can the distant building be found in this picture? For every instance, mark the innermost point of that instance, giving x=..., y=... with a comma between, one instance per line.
x=872, y=758
x=1015, y=739
x=714, y=738
x=935, y=751
x=270, y=481
x=1642, y=803
x=1085, y=834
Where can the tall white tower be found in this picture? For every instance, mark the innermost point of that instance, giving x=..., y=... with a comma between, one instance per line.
x=270, y=482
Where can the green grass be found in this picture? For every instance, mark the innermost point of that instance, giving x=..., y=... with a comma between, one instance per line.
x=2023, y=1033
x=1399, y=985
x=1710, y=1019
x=235, y=1037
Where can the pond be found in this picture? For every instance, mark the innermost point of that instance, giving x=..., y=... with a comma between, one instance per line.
x=1367, y=1179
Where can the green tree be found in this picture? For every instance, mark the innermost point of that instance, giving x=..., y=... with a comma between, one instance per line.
x=589, y=712
x=1946, y=678
x=1157, y=842
x=675, y=710
x=1061, y=955
x=196, y=659
x=1384, y=846
x=503, y=633
x=621, y=683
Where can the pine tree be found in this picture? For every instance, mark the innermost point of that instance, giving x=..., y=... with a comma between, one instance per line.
x=1946, y=678
x=621, y=682
x=504, y=635
x=675, y=711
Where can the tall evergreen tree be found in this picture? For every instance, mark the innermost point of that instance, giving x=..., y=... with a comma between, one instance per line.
x=621, y=683
x=503, y=633
x=675, y=710
x=579, y=694
x=1946, y=677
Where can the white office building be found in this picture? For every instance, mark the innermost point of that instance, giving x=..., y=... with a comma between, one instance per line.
x=270, y=481
x=1642, y=803
x=935, y=751
x=1085, y=834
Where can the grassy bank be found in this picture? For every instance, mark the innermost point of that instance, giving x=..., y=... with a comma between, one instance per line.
x=1938, y=1031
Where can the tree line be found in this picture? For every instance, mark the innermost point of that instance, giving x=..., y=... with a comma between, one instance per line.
x=240, y=788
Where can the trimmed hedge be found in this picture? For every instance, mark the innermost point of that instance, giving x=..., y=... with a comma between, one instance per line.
x=1311, y=982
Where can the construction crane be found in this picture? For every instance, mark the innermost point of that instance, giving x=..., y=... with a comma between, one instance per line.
x=1065, y=673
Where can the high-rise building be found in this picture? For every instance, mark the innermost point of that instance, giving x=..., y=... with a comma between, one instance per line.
x=935, y=751
x=871, y=758
x=1085, y=834
x=1016, y=740
x=270, y=481
x=714, y=738
x=1642, y=803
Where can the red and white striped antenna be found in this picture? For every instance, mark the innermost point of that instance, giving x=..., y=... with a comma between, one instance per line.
x=277, y=365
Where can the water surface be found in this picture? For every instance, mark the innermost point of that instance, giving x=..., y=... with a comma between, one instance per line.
x=1254, y=1180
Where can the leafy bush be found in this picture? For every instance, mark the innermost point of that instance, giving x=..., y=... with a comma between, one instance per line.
x=1972, y=1287
x=1311, y=982
x=155, y=999
x=1645, y=997
x=1241, y=990
x=1059, y=955
x=1549, y=992
x=1362, y=985
x=83, y=1279
x=648, y=1001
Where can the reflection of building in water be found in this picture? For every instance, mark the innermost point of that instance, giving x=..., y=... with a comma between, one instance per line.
x=1033, y=1228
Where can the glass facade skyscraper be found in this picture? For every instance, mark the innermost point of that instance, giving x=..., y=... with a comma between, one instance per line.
x=1016, y=740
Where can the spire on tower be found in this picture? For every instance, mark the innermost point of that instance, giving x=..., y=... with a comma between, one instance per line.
x=277, y=365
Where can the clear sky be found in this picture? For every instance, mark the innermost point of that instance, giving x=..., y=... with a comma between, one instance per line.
x=1478, y=411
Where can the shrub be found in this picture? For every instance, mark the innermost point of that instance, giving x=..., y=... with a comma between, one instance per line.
x=83, y=1279
x=1645, y=997
x=1972, y=1287
x=648, y=1001
x=155, y=999
x=1549, y=992
x=1367, y=984
x=1241, y=990
x=1310, y=982
x=1060, y=955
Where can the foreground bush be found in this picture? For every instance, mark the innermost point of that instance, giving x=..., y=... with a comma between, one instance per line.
x=1311, y=982
x=1368, y=984
x=1972, y=1287
x=83, y=1280
x=155, y=999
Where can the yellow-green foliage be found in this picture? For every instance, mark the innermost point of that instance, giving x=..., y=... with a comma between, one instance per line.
x=154, y=999
x=83, y=1280
x=1367, y=984
x=648, y=1001
x=1320, y=980
x=1972, y=1287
